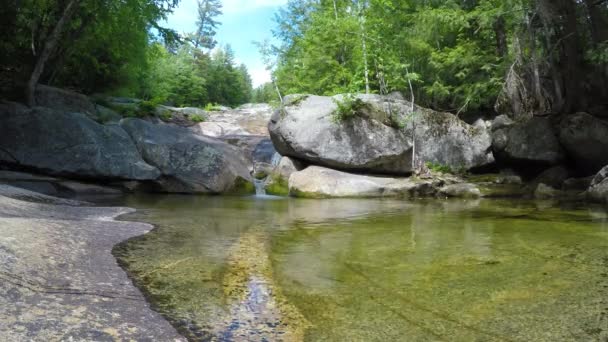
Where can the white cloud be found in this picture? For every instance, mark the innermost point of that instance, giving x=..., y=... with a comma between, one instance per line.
x=232, y=6
x=259, y=76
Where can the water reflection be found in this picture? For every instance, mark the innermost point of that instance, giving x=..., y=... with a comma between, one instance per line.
x=372, y=270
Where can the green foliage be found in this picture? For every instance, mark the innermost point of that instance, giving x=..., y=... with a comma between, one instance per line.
x=102, y=46
x=212, y=107
x=147, y=107
x=166, y=115
x=190, y=77
x=197, y=118
x=436, y=167
x=127, y=111
x=348, y=107
x=452, y=49
x=266, y=93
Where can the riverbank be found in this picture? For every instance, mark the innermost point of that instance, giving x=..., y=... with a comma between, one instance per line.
x=60, y=281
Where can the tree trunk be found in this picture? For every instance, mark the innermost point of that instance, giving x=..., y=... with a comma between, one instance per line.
x=598, y=21
x=501, y=37
x=47, y=51
x=364, y=47
x=571, y=55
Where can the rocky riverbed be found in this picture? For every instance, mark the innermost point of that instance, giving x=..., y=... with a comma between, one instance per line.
x=58, y=278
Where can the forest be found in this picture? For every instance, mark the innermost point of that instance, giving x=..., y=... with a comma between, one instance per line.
x=534, y=56
x=460, y=56
x=119, y=48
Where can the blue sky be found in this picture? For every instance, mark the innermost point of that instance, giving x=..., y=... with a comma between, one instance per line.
x=243, y=22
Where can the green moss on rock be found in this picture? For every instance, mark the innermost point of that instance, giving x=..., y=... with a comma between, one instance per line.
x=277, y=186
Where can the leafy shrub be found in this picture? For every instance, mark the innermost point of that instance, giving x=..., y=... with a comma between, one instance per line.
x=197, y=118
x=126, y=112
x=436, y=167
x=348, y=108
x=146, y=108
x=166, y=115
x=212, y=107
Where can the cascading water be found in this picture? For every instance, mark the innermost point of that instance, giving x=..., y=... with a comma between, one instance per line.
x=260, y=184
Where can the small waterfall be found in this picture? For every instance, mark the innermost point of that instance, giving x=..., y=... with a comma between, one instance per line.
x=260, y=184
x=276, y=159
x=260, y=187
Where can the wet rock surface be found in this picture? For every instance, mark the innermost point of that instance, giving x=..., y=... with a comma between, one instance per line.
x=319, y=182
x=58, y=278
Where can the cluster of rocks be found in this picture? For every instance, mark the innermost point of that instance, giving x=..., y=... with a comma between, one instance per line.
x=301, y=149
x=370, y=154
x=68, y=137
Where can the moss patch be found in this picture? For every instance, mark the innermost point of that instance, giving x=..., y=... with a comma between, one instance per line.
x=277, y=186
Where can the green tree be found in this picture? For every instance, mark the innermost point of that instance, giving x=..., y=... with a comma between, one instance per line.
x=208, y=11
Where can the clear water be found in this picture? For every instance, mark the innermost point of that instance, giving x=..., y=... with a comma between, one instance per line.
x=268, y=269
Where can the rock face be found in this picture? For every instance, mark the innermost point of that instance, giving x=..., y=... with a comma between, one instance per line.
x=442, y=138
x=68, y=144
x=586, y=140
x=304, y=129
x=250, y=119
x=190, y=163
x=64, y=100
x=319, y=182
x=533, y=141
x=598, y=190
x=372, y=141
x=58, y=278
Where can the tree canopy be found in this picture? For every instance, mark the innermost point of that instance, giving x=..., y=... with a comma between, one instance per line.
x=118, y=47
x=456, y=53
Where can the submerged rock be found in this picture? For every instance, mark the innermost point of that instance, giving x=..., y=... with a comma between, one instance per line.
x=68, y=144
x=462, y=190
x=544, y=191
x=190, y=163
x=553, y=177
x=320, y=182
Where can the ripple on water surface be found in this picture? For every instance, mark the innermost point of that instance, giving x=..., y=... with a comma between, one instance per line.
x=244, y=269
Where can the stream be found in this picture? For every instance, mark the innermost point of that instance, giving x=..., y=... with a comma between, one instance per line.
x=280, y=269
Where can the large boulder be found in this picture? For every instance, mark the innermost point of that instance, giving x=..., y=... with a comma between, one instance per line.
x=585, y=138
x=304, y=129
x=190, y=163
x=320, y=182
x=442, y=138
x=378, y=137
x=532, y=141
x=68, y=144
